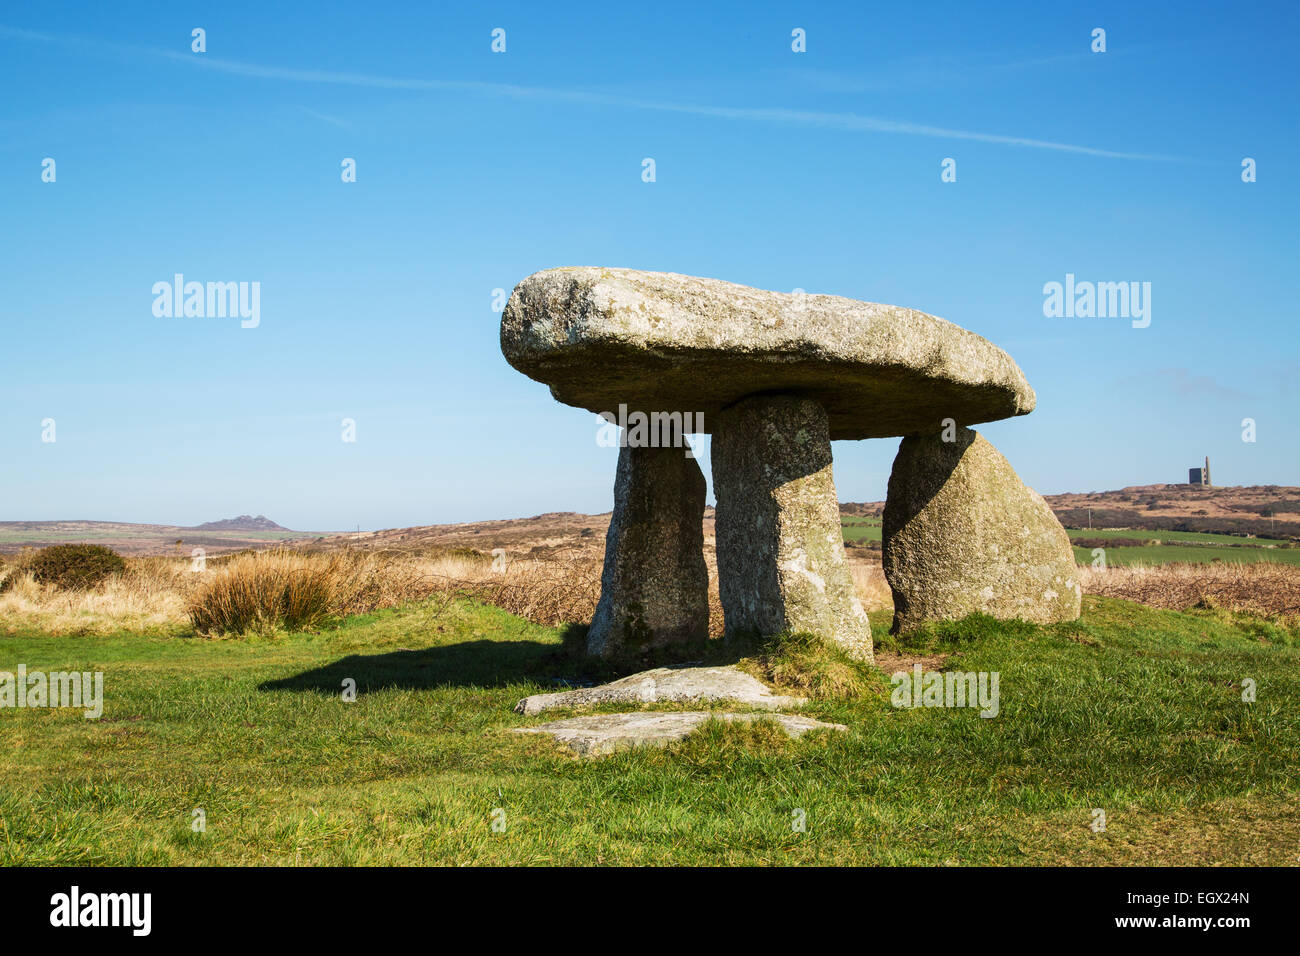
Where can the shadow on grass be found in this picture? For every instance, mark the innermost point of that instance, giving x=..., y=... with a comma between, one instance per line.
x=497, y=664
x=468, y=664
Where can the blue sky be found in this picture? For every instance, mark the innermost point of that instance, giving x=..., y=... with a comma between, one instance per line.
x=817, y=170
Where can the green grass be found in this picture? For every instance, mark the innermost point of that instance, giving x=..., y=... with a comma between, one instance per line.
x=1192, y=546
x=861, y=529
x=1132, y=710
x=1198, y=537
x=1168, y=553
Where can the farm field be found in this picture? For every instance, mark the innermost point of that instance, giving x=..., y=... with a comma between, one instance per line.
x=1157, y=547
x=861, y=529
x=1169, y=553
x=1132, y=710
x=1166, y=547
x=1179, y=537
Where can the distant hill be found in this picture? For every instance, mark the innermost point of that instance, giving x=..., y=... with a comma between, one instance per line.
x=242, y=523
x=217, y=537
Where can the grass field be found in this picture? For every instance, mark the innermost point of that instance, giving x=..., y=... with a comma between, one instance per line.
x=1131, y=710
x=861, y=529
x=1166, y=547
x=1159, y=547
x=1168, y=553
x=1176, y=537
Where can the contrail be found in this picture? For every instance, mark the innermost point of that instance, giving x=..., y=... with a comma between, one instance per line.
x=851, y=122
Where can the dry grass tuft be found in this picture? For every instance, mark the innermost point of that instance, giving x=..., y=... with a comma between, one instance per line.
x=550, y=593
x=130, y=601
x=1265, y=588
x=283, y=589
x=873, y=590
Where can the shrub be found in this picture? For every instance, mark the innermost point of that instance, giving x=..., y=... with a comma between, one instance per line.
x=74, y=567
x=264, y=591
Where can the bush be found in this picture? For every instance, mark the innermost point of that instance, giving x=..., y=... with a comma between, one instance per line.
x=74, y=567
x=266, y=591
x=263, y=592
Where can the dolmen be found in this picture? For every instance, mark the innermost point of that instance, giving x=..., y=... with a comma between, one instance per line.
x=774, y=378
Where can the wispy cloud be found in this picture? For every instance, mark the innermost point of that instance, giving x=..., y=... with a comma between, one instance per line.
x=924, y=72
x=930, y=72
x=1185, y=384
x=849, y=122
x=326, y=118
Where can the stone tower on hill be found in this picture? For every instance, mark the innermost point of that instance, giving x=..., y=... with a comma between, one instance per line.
x=1200, y=476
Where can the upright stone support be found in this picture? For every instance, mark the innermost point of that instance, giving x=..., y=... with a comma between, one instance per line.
x=962, y=534
x=654, y=590
x=781, y=562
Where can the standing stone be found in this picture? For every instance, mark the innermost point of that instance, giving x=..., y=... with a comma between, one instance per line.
x=963, y=534
x=655, y=587
x=781, y=563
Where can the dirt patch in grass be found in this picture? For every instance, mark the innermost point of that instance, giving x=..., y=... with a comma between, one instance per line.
x=892, y=661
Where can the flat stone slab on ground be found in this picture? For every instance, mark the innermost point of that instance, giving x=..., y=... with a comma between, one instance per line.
x=667, y=684
x=662, y=342
x=601, y=734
